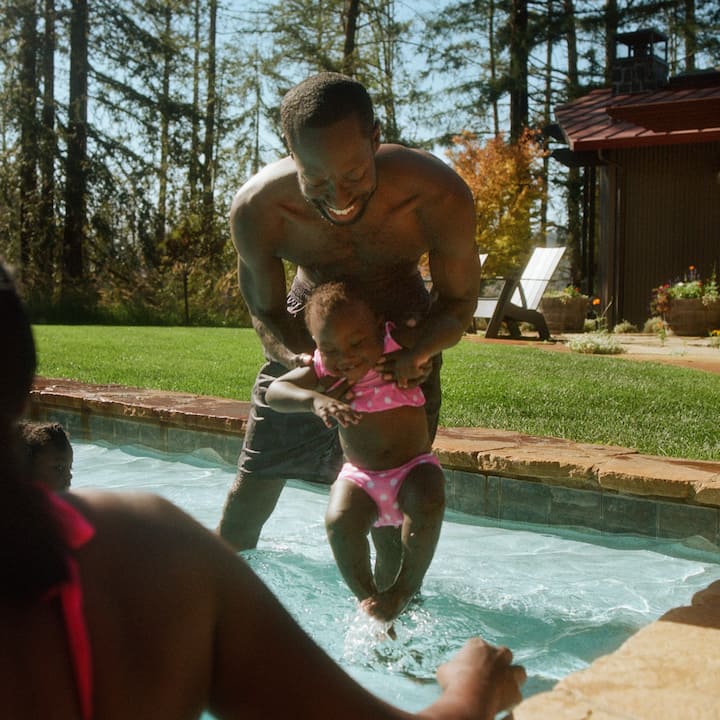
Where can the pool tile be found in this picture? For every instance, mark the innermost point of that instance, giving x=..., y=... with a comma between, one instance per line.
x=227, y=447
x=569, y=506
x=683, y=521
x=524, y=501
x=152, y=435
x=465, y=492
x=622, y=514
x=493, y=488
x=71, y=421
x=100, y=427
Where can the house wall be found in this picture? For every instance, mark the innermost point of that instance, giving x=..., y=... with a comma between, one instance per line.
x=659, y=212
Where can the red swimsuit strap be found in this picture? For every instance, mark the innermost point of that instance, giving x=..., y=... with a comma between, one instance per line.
x=76, y=531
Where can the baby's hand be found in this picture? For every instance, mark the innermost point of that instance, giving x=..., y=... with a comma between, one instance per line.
x=327, y=408
x=338, y=389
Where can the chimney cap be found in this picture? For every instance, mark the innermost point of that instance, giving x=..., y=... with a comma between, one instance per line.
x=635, y=36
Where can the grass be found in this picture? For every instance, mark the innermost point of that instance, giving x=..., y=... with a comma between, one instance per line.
x=656, y=409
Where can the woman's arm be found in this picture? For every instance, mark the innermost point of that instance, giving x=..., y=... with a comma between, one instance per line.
x=267, y=667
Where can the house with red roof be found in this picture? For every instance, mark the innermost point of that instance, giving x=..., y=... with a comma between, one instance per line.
x=650, y=149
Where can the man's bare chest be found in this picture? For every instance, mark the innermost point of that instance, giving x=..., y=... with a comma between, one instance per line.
x=355, y=249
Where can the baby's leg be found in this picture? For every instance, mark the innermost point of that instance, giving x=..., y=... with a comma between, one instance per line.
x=348, y=518
x=388, y=554
x=422, y=501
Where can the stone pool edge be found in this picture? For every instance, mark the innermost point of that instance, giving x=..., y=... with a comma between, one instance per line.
x=499, y=475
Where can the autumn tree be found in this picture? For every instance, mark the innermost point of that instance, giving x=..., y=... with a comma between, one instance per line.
x=507, y=186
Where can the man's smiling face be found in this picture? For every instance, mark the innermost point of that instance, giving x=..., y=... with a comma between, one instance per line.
x=336, y=169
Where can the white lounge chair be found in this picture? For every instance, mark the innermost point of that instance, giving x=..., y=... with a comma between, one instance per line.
x=520, y=296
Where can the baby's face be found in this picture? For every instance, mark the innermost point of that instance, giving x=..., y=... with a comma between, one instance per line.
x=350, y=342
x=53, y=468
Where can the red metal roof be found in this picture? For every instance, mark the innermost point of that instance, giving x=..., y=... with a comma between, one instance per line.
x=603, y=121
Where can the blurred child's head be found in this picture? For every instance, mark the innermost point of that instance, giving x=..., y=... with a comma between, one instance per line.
x=49, y=454
x=348, y=332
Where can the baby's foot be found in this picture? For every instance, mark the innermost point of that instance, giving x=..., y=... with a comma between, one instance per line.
x=385, y=606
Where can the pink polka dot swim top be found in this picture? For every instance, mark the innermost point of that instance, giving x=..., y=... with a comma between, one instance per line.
x=372, y=392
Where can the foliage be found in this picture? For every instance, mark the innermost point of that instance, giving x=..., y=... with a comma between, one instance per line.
x=507, y=186
x=566, y=294
x=598, y=319
x=690, y=286
x=653, y=324
x=179, y=115
x=596, y=343
x=624, y=326
x=585, y=398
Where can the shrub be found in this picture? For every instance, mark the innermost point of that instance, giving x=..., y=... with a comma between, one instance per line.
x=653, y=325
x=625, y=327
x=596, y=343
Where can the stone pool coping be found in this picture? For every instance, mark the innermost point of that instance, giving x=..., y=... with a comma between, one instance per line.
x=668, y=669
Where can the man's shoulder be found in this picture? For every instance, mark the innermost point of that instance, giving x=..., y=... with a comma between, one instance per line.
x=274, y=181
x=429, y=174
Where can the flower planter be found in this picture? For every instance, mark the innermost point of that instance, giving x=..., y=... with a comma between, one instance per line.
x=690, y=316
x=564, y=315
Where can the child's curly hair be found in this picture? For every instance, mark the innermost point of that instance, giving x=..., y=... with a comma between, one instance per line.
x=38, y=435
x=333, y=297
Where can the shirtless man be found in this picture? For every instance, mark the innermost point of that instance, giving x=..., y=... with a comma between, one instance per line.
x=343, y=206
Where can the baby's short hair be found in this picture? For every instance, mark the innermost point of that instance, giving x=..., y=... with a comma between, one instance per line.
x=39, y=435
x=332, y=297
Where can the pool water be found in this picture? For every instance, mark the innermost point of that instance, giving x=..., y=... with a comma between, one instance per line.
x=559, y=599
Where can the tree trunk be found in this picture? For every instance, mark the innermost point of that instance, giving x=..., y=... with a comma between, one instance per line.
x=194, y=160
x=547, y=110
x=163, y=169
x=210, y=111
x=611, y=26
x=45, y=260
x=574, y=181
x=518, y=69
x=27, y=94
x=690, y=35
x=76, y=161
x=493, y=66
x=352, y=10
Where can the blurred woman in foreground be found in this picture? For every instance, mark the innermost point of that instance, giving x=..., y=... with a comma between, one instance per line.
x=122, y=606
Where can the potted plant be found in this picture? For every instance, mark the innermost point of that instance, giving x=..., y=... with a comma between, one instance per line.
x=689, y=306
x=565, y=310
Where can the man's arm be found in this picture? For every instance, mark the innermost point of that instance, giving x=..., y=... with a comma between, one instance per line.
x=261, y=276
x=447, y=215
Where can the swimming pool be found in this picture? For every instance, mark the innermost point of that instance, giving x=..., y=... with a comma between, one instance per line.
x=559, y=599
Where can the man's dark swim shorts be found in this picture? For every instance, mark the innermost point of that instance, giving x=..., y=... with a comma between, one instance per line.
x=299, y=445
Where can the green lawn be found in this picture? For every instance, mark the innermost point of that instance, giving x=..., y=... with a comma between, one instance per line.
x=657, y=409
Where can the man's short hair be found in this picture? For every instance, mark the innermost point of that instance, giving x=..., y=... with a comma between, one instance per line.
x=322, y=100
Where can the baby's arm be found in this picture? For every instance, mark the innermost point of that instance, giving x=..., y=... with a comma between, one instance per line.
x=300, y=390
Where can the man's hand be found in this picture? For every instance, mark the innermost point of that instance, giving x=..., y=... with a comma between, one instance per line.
x=301, y=360
x=404, y=368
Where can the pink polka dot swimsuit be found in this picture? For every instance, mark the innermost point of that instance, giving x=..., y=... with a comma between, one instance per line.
x=374, y=394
